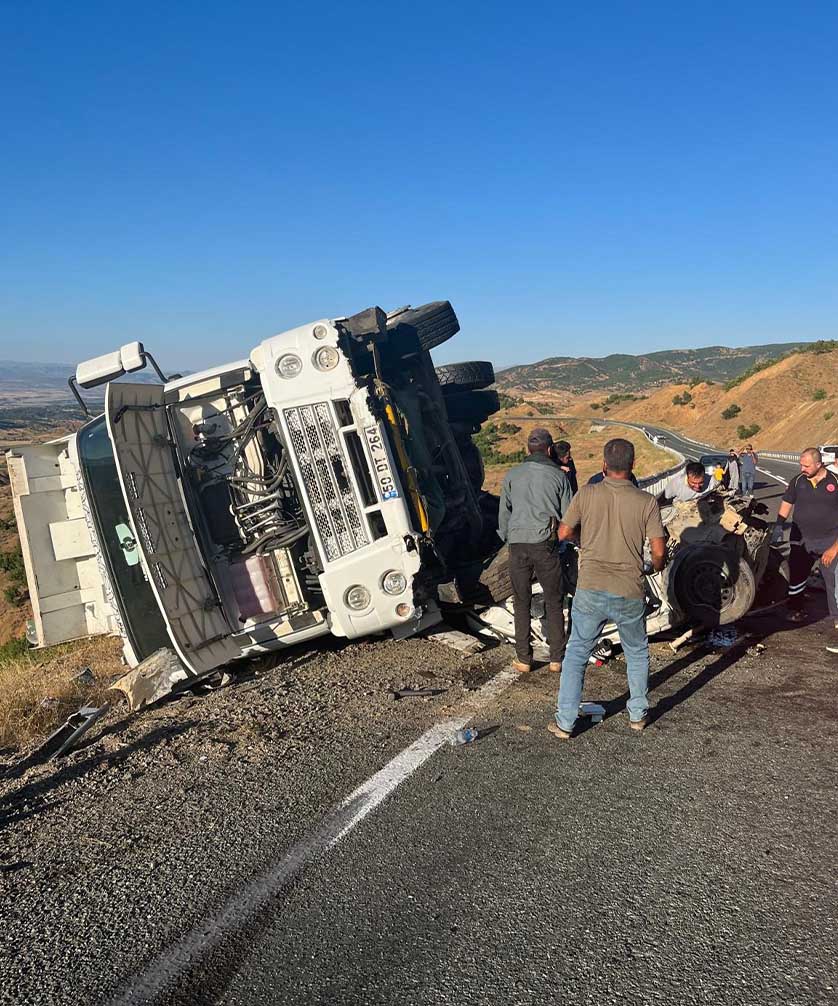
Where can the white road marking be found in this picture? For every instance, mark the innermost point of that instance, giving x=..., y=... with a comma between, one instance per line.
x=185, y=955
x=773, y=476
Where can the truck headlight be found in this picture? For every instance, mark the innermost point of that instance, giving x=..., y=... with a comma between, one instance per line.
x=357, y=598
x=326, y=358
x=394, y=582
x=289, y=365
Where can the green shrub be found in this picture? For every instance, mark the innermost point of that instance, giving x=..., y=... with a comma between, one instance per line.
x=683, y=399
x=731, y=412
x=828, y=415
x=13, y=648
x=11, y=563
x=819, y=395
x=746, y=432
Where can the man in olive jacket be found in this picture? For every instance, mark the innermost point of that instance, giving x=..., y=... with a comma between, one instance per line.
x=535, y=496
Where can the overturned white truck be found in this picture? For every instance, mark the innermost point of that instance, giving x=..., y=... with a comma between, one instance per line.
x=326, y=484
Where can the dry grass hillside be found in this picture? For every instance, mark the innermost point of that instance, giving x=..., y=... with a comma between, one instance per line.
x=586, y=445
x=794, y=403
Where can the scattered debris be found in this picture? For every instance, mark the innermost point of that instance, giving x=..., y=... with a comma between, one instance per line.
x=465, y=735
x=593, y=710
x=722, y=639
x=691, y=635
x=149, y=681
x=70, y=732
x=84, y=677
x=756, y=650
x=456, y=640
x=414, y=693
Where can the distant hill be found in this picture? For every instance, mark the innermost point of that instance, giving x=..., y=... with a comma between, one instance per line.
x=622, y=372
x=786, y=406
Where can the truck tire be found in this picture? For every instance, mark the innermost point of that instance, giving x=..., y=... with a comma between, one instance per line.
x=433, y=323
x=711, y=585
x=469, y=376
x=471, y=406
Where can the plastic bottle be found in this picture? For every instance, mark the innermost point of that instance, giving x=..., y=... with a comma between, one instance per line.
x=465, y=735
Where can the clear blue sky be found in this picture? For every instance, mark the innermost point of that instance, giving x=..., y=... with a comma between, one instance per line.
x=576, y=178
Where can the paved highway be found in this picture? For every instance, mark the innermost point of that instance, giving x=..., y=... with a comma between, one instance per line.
x=778, y=471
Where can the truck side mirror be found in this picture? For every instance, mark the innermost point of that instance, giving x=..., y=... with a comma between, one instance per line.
x=104, y=369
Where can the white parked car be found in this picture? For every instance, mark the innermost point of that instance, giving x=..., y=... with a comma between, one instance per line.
x=829, y=455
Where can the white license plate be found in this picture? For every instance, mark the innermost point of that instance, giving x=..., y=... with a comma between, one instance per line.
x=381, y=463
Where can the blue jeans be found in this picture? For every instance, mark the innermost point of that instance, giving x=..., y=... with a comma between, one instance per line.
x=591, y=610
x=747, y=486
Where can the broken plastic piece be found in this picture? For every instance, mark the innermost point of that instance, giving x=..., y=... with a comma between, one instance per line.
x=84, y=677
x=69, y=733
x=149, y=681
x=593, y=710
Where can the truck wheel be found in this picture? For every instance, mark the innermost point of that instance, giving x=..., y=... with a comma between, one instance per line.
x=473, y=461
x=711, y=585
x=471, y=406
x=433, y=323
x=469, y=376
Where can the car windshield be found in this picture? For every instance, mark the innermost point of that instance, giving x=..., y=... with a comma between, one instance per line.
x=137, y=605
x=713, y=459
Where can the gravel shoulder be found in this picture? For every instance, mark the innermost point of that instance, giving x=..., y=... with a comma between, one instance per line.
x=108, y=855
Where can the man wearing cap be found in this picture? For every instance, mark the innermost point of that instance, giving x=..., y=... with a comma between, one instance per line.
x=533, y=500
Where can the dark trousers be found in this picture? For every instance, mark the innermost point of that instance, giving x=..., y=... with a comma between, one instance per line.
x=802, y=557
x=542, y=561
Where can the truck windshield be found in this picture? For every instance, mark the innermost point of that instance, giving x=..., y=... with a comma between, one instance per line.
x=137, y=605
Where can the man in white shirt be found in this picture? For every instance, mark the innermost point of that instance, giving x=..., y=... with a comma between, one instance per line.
x=689, y=484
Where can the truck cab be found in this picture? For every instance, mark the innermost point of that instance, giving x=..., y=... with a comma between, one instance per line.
x=316, y=486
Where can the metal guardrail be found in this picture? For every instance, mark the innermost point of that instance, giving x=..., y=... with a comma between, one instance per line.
x=654, y=483
x=778, y=456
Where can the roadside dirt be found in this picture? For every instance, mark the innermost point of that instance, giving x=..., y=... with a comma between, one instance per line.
x=586, y=444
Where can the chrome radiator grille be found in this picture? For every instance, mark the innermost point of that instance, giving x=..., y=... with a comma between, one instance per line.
x=325, y=473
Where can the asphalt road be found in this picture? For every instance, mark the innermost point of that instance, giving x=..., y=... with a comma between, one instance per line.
x=691, y=864
x=777, y=472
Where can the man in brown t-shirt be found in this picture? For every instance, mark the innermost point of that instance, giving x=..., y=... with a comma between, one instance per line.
x=611, y=520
